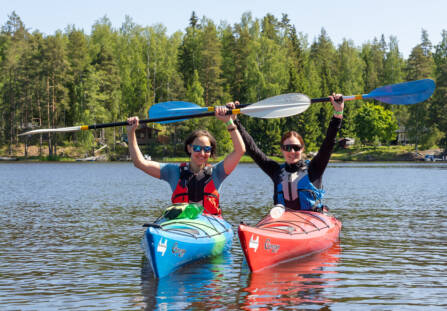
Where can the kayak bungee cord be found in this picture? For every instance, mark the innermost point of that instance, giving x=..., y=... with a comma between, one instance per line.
x=309, y=222
x=192, y=224
x=217, y=220
x=291, y=223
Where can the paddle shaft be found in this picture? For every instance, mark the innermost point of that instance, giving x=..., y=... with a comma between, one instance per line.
x=190, y=116
x=327, y=99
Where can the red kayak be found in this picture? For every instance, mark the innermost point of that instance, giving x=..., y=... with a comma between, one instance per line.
x=292, y=235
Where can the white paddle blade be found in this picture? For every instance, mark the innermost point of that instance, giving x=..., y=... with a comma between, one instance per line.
x=63, y=129
x=279, y=106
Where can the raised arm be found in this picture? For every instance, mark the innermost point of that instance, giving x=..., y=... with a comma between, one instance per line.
x=319, y=163
x=150, y=167
x=233, y=158
x=261, y=159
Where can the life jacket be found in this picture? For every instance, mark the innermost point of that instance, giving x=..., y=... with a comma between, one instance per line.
x=295, y=191
x=196, y=188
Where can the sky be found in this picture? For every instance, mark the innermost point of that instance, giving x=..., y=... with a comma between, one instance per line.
x=357, y=20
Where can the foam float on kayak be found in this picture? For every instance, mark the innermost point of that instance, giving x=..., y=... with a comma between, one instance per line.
x=292, y=235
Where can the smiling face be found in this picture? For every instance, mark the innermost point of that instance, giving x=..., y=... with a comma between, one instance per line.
x=292, y=146
x=291, y=156
x=199, y=158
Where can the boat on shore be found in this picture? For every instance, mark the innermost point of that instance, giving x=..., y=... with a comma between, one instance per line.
x=8, y=159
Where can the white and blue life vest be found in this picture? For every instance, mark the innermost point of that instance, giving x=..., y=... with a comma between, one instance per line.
x=295, y=191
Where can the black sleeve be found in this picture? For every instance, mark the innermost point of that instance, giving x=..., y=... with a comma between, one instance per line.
x=269, y=166
x=318, y=164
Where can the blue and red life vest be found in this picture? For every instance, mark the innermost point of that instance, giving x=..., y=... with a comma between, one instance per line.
x=197, y=188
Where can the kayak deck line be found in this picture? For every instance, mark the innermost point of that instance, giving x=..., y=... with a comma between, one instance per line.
x=288, y=231
x=189, y=231
x=321, y=219
x=279, y=229
x=183, y=221
x=293, y=223
x=314, y=216
x=201, y=227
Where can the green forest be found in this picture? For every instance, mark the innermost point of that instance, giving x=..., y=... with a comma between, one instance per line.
x=73, y=78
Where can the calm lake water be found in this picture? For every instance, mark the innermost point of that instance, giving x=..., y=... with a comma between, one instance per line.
x=70, y=239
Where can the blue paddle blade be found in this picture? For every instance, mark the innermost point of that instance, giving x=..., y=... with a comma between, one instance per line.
x=174, y=109
x=406, y=93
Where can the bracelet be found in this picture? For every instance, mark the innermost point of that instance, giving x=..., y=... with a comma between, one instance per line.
x=231, y=129
x=229, y=122
x=340, y=113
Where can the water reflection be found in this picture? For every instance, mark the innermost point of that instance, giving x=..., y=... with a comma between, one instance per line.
x=185, y=288
x=293, y=283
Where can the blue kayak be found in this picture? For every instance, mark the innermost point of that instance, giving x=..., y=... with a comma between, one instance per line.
x=170, y=244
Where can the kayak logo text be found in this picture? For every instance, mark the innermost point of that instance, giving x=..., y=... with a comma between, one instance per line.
x=273, y=247
x=178, y=251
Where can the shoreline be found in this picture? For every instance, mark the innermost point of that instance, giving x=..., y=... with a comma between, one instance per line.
x=179, y=160
x=351, y=154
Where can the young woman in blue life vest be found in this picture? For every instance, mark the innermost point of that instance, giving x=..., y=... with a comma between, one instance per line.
x=196, y=181
x=297, y=184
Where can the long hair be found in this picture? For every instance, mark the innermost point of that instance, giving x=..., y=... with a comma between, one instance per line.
x=200, y=133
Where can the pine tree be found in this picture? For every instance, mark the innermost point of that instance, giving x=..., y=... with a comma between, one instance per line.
x=350, y=68
x=55, y=73
x=420, y=65
x=79, y=60
x=210, y=63
x=438, y=108
x=189, y=53
x=324, y=56
x=104, y=94
x=14, y=36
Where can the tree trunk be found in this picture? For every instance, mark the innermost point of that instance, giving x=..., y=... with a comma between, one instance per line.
x=11, y=132
x=40, y=125
x=53, y=114
x=26, y=148
x=50, y=149
x=11, y=117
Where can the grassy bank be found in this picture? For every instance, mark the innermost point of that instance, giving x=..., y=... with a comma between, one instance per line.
x=359, y=153
x=379, y=153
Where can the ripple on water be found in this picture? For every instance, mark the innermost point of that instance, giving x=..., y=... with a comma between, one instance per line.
x=70, y=239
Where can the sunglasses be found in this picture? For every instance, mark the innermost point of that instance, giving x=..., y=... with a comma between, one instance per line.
x=198, y=148
x=289, y=148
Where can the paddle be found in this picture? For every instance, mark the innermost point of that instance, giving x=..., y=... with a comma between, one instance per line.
x=279, y=106
x=406, y=93
x=273, y=107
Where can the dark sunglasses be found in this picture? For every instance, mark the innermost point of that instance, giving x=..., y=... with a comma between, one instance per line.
x=289, y=148
x=198, y=148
